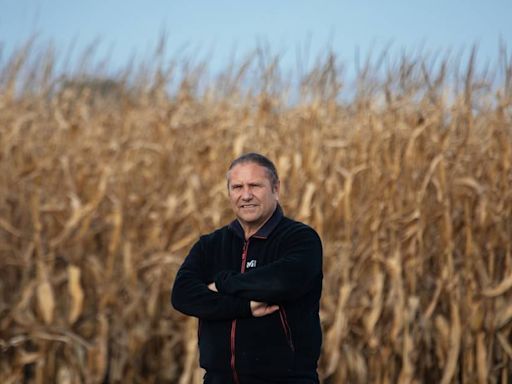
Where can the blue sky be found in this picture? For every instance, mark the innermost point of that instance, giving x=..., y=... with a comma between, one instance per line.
x=216, y=29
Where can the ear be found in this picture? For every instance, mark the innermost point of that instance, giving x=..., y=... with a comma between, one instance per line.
x=277, y=188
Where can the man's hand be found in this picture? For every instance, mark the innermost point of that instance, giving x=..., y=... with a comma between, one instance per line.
x=259, y=309
x=212, y=287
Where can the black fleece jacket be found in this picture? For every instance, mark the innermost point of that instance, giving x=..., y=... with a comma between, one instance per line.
x=280, y=264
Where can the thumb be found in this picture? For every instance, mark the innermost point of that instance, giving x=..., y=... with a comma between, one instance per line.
x=272, y=308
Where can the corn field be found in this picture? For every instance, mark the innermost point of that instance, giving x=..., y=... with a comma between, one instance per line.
x=106, y=182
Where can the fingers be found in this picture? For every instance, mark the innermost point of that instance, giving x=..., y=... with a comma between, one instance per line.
x=212, y=287
x=272, y=309
x=260, y=309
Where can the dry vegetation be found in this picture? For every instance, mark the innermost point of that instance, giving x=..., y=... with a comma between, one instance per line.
x=104, y=185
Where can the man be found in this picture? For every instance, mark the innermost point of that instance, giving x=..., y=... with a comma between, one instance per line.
x=255, y=286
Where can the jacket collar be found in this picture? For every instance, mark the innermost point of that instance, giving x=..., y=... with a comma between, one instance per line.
x=265, y=230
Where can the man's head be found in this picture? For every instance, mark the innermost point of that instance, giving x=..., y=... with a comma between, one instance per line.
x=253, y=187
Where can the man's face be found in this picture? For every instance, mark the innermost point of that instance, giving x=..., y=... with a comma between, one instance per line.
x=252, y=197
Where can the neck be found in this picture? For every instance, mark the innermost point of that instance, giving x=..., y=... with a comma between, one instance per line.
x=249, y=230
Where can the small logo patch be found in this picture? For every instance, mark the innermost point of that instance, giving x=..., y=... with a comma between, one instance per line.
x=251, y=264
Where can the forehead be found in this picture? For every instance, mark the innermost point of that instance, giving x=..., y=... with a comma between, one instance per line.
x=247, y=172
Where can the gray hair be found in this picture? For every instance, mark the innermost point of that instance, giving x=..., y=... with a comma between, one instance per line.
x=262, y=161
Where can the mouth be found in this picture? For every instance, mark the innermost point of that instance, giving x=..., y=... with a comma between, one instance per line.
x=248, y=206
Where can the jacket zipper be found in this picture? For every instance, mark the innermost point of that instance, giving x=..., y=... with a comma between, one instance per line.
x=286, y=328
x=233, y=323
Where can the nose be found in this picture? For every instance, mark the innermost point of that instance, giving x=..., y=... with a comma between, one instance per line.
x=247, y=193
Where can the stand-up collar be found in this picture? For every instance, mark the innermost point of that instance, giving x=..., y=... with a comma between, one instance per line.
x=265, y=230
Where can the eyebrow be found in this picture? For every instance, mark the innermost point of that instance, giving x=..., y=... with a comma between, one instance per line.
x=252, y=184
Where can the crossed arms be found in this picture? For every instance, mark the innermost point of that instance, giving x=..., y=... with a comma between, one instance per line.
x=257, y=292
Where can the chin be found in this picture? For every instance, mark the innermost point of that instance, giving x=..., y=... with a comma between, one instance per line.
x=249, y=218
